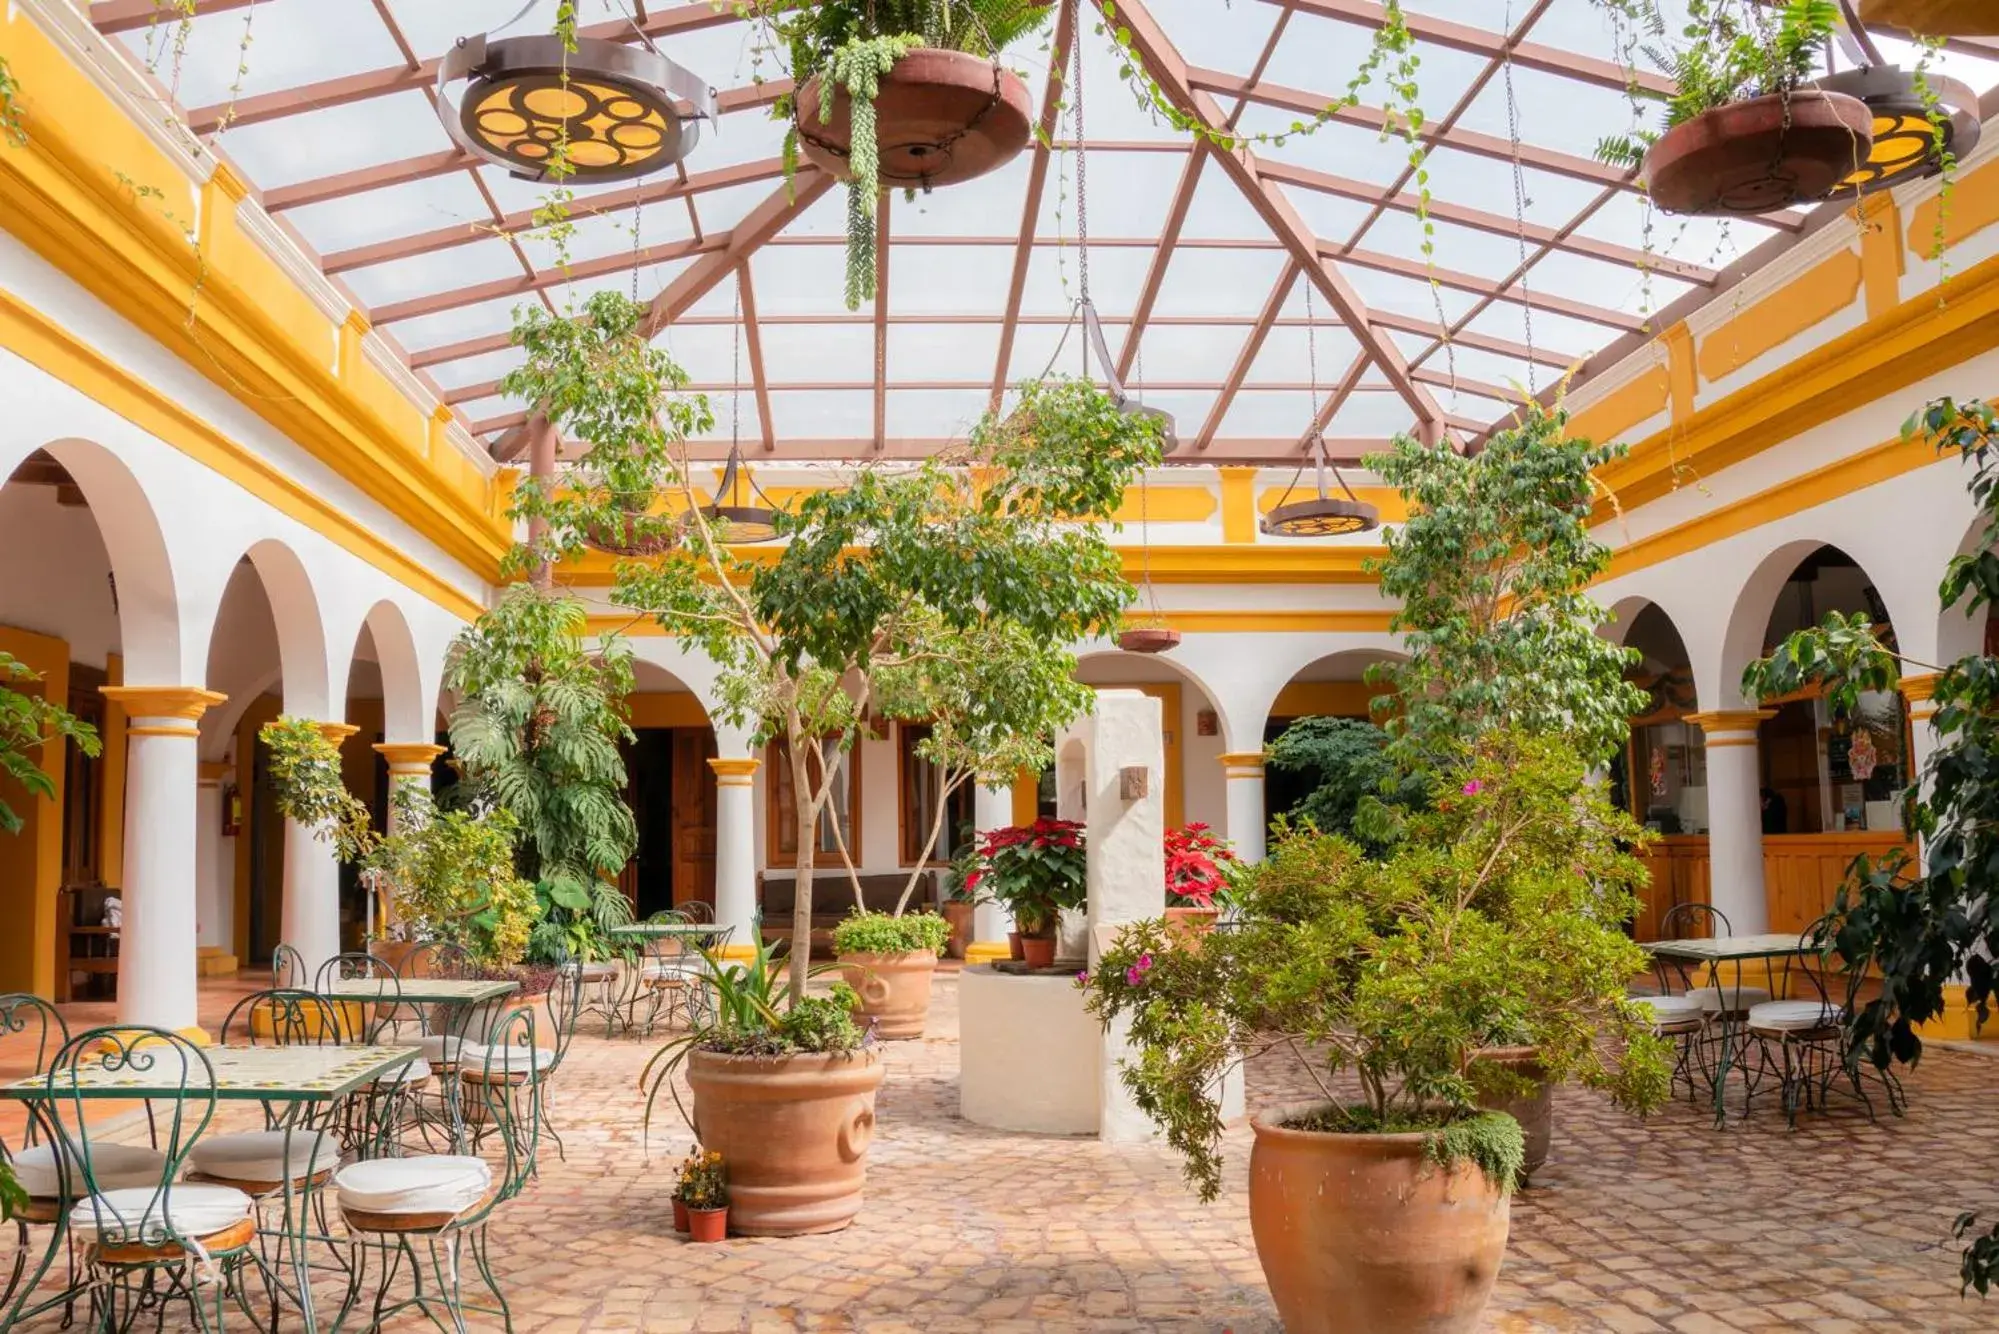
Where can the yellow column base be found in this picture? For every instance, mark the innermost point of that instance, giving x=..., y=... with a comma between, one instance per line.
x=211, y=961
x=987, y=951
x=736, y=953
x=1957, y=1023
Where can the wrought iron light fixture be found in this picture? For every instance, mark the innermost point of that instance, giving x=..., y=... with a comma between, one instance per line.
x=1322, y=515
x=741, y=524
x=1906, y=144
x=625, y=109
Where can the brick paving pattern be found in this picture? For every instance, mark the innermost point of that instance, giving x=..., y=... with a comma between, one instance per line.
x=1665, y=1224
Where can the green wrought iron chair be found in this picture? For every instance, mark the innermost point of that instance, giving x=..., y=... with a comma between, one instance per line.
x=33, y=1026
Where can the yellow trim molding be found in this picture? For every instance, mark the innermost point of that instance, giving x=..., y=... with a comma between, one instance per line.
x=163, y=731
x=1238, y=505
x=734, y=772
x=188, y=702
x=1919, y=687
x=987, y=951
x=336, y=732
x=1718, y=722
x=1818, y=293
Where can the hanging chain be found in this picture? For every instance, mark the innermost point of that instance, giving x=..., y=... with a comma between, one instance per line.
x=1519, y=202
x=1312, y=356
x=638, y=223
x=736, y=375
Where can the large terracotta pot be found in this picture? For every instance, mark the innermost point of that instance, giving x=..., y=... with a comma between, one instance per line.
x=1363, y=1232
x=1534, y=1109
x=941, y=117
x=894, y=990
x=794, y=1132
x=958, y=913
x=1760, y=155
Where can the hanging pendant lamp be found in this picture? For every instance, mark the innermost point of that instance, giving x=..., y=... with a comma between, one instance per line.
x=1323, y=515
x=743, y=525
x=1906, y=144
x=511, y=100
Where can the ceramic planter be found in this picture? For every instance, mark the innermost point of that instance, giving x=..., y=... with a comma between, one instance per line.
x=894, y=990
x=1014, y=949
x=1363, y=1232
x=1038, y=951
x=1760, y=155
x=1534, y=1110
x=941, y=117
x=794, y=1131
x=708, y=1225
x=958, y=913
x=679, y=1214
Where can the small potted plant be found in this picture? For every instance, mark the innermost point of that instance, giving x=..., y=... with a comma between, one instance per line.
x=703, y=1196
x=1747, y=129
x=889, y=960
x=962, y=898
x=1198, y=866
x=1036, y=871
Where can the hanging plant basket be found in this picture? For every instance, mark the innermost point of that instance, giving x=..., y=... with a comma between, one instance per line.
x=1936, y=18
x=1148, y=639
x=941, y=117
x=1760, y=155
x=618, y=539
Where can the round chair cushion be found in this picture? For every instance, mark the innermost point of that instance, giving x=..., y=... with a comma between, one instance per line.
x=1738, y=999
x=440, y=1048
x=115, y=1167
x=1671, y=1009
x=263, y=1155
x=119, y=1216
x=475, y=1061
x=1795, y=1016
x=432, y=1183
x=414, y=1073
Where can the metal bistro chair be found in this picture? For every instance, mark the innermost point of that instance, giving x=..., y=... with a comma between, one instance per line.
x=1804, y=1040
x=33, y=1023
x=522, y=1062
x=1724, y=1006
x=373, y=1023
x=436, y=1207
x=147, y=1244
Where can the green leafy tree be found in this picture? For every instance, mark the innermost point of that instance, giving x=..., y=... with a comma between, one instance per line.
x=452, y=877
x=1358, y=792
x=27, y=723
x=881, y=585
x=1928, y=926
x=537, y=731
x=304, y=775
x=1491, y=571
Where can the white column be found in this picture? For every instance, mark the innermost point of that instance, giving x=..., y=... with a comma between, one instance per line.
x=1735, y=817
x=156, y=948
x=992, y=808
x=1247, y=822
x=311, y=917
x=1919, y=691
x=212, y=862
x=409, y=762
x=736, y=851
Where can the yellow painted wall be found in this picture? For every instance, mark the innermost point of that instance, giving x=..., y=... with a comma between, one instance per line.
x=111, y=773
x=31, y=861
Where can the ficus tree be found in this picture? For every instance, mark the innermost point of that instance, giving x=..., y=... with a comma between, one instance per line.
x=1928, y=925
x=28, y=721
x=881, y=586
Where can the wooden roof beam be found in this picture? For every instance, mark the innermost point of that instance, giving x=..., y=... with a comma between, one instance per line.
x=1246, y=358
x=753, y=343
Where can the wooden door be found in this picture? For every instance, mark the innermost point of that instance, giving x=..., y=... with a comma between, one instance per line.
x=693, y=816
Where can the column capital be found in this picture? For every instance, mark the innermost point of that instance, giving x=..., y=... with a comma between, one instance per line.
x=1919, y=688
x=1725, y=726
x=1242, y=764
x=409, y=759
x=730, y=772
x=188, y=702
x=336, y=732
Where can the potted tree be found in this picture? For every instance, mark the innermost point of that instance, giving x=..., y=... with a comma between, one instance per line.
x=889, y=959
x=1035, y=871
x=1747, y=130
x=1384, y=1205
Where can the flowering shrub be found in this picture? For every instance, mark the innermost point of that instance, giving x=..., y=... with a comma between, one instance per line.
x=1197, y=866
x=703, y=1180
x=1033, y=870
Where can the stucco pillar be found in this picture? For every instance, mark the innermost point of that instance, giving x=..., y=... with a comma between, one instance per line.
x=992, y=808
x=408, y=762
x=736, y=852
x=1735, y=817
x=311, y=917
x=1243, y=771
x=156, y=948
x=1920, y=691
x=213, y=864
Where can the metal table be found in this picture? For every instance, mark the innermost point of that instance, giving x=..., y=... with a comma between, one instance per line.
x=701, y=935
x=311, y=1079
x=1714, y=951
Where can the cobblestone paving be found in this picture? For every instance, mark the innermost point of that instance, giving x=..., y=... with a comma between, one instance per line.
x=1661, y=1225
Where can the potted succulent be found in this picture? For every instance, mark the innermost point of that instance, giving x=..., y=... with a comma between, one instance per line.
x=1198, y=867
x=898, y=93
x=702, y=1197
x=889, y=961
x=1035, y=871
x=784, y=1091
x=1385, y=1208
x=1747, y=130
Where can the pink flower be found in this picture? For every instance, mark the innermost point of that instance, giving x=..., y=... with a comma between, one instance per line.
x=1144, y=962
x=1133, y=977
x=1083, y=979
x=1473, y=788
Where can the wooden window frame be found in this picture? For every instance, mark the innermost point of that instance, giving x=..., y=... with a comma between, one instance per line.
x=909, y=833
x=777, y=770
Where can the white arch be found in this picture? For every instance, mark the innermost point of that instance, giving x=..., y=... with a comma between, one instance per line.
x=301, y=625
x=408, y=713
x=1749, y=615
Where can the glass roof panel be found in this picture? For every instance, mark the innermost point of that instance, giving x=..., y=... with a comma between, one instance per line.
x=1219, y=282
x=261, y=48
x=422, y=275
x=932, y=414
x=1129, y=195
x=457, y=324
x=396, y=211
x=988, y=206
x=328, y=140
x=477, y=370
x=801, y=353
x=823, y=414
x=941, y=351
x=948, y=279
x=795, y=280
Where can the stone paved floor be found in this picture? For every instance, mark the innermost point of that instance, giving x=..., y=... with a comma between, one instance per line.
x=1661, y=1225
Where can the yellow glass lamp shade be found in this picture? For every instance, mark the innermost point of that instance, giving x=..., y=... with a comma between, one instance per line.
x=1323, y=516
x=1906, y=143
x=621, y=111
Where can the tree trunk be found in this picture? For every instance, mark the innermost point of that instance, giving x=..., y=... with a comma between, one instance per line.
x=807, y=820
x=541, y=467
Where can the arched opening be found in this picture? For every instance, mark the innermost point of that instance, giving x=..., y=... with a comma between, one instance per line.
x=89, y=601
x=1196, y=787
x=1661, y=777
x=1326, y=710
x=671, y=791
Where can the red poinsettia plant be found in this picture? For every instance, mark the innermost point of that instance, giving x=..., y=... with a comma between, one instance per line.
x=1198, y=866
x=1032, y=870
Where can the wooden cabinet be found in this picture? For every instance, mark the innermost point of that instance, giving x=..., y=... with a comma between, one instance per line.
x=1678, y=864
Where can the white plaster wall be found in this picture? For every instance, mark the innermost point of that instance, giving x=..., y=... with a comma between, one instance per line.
x=55, y=573
x=1032, y=1060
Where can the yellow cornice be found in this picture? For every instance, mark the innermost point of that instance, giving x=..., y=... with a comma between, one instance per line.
x=1221, y=621
x=1917, y=689
x=1723, y=721
x=733, y=768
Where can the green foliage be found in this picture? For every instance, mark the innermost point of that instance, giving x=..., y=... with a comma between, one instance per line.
x=12, y=1198
x=27, y=723
x=452, y=877
x=1501, y=910
x=1490, y=1141
x=1360, y=794
x=537, y=730
x=1033, y=871
x=1927, y=926
x=1491, y=571
x=865, y=932
x=1730, y=51
x=11, y=129
x=306, y=786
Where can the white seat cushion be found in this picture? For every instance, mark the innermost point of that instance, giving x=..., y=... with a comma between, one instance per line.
x=440, y=1048
x=512, y=1059
x=191, y=1211
x=262, y=1155
x=1671, y=1009
x=414, y=1073
x=433, y=1183
x=1712, y=999
x=114, y=1166
x=1796, y=1016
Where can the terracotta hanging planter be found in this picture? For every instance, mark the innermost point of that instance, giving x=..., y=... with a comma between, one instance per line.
x=1760, y=155
x=1149, y=639
x=941, y=117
